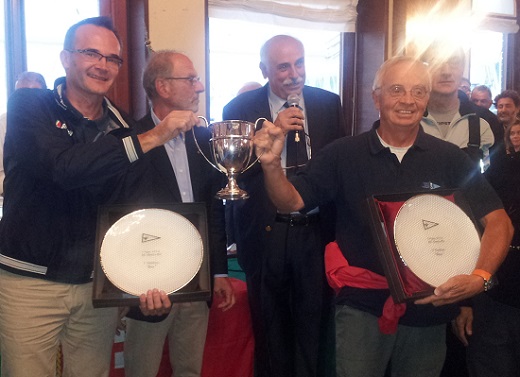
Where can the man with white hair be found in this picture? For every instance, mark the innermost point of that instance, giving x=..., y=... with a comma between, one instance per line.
x=396, y=156
x=282, y=254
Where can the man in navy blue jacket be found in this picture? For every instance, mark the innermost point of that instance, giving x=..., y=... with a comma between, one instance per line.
x=65, y=153
x=282, y=255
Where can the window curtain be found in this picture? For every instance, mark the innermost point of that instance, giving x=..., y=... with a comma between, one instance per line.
x=332, y=15
x=501, y=25
x=501, y=15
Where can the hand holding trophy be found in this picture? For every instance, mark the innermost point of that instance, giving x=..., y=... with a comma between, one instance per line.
x=232, y=149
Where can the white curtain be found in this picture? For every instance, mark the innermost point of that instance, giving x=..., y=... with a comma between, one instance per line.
x=501, y=15
x=333, y=15
x=501, y=25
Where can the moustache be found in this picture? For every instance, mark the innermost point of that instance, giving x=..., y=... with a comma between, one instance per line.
x=296, y=81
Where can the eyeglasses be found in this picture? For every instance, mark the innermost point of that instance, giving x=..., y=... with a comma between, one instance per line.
x=193, y=79
x=398, y=91
x=95, y=56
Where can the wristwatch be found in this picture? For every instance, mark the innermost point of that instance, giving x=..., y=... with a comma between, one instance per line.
x=489, y=281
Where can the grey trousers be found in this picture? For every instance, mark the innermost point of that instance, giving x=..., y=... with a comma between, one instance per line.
x=363, y=351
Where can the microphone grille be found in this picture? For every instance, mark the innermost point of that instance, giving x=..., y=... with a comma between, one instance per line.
x=293, y=100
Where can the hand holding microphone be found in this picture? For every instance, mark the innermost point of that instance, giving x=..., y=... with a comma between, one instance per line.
x=290, y=117
x=296, y=149
x=293, y=100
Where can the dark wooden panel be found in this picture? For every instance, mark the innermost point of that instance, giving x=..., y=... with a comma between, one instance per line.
x=348, y=71
x=130, y=18
x=370, y=54
x=512, y=64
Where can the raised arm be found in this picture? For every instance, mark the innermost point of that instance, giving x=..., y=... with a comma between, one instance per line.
x=269, y=143
x=170, y=127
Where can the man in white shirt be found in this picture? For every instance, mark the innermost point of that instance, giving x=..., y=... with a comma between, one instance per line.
x=177, y=173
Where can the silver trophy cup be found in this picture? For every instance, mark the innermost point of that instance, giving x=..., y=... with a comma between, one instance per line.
x=232, y=149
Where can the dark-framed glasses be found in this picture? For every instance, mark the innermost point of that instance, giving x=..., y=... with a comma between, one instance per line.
x=192, y=79
x=398, y=91
x=93, y=56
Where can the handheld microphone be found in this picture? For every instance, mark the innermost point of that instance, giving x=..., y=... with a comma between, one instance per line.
x=293, y=100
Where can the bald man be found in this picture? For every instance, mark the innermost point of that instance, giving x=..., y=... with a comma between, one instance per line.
x=282, y=253
x=177, y=173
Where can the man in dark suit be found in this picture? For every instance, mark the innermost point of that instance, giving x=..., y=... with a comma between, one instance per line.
x=282, y=254
x=177, y=173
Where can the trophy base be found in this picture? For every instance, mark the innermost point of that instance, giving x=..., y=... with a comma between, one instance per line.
x=229, y=194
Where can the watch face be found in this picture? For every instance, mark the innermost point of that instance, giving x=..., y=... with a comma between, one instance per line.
x=491, y=283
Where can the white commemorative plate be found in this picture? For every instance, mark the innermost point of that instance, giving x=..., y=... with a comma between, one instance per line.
x=151, y=248
x=435, y=238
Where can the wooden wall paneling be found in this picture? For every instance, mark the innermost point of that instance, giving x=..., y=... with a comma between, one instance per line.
x=398, y=36
x=129, y=17
x=348, y=77
x=371, y=34
x=138, y=50
x=380, y=34
x=512, y=63
x=120, y=92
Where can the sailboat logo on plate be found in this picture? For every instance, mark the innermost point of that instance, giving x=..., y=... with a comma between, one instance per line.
x=428, y=224
x=148, y=237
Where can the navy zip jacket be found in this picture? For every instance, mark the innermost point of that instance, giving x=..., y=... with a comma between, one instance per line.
x=59, y=168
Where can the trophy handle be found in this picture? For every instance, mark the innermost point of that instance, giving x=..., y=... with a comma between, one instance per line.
x=197, y=143
x=258, y=158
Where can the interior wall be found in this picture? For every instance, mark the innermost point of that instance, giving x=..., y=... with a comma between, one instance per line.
x=371, y=52
x=129, y=20
x=181, y=25
x=513, y=56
